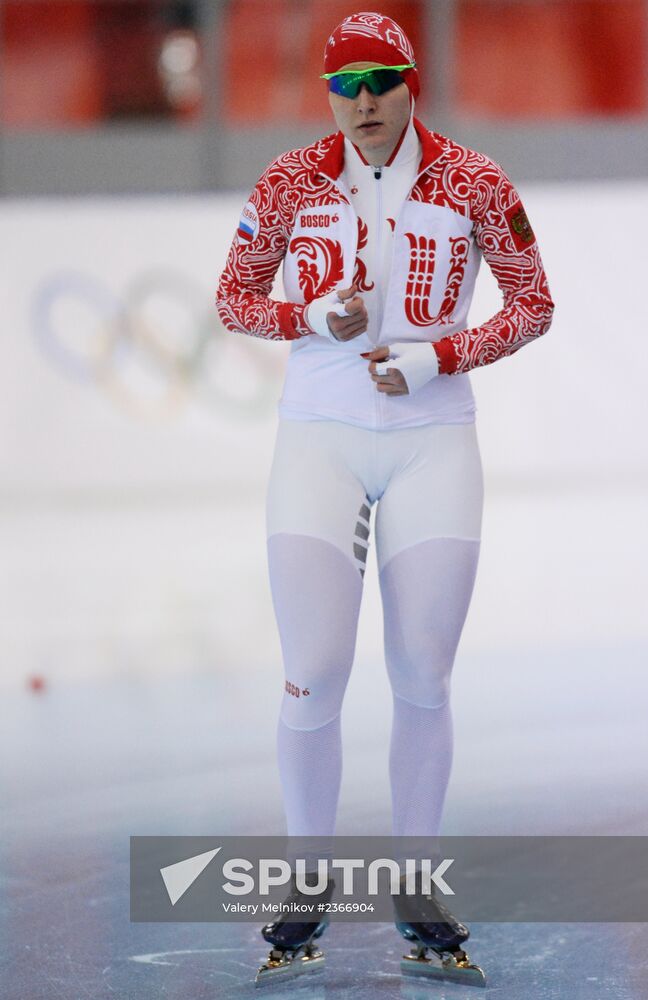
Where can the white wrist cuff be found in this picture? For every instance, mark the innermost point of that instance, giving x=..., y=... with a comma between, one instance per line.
x=418, y=364
x=318, y=310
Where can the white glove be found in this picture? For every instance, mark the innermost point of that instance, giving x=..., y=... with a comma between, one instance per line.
x=318, y=310
x=418, y=364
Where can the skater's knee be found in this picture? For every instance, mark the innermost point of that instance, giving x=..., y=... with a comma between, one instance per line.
x=312, y=703
x=314, y=686
x=421, y=677
x=308, y=719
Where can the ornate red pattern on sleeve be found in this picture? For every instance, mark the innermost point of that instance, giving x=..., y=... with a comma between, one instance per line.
x=243, y=296
x=476, y=186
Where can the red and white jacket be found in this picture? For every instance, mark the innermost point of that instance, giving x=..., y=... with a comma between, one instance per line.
x=460, y=207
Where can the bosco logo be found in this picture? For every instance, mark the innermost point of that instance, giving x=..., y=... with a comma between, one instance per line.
x=295, y=691
x=318, y=221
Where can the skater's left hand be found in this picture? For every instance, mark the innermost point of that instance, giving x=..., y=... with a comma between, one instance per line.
x=393, y=381
x=412, y=365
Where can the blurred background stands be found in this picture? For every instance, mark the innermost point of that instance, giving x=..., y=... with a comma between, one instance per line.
x=197, y=95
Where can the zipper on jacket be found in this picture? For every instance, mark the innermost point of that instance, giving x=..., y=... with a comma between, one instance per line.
x=377, y=172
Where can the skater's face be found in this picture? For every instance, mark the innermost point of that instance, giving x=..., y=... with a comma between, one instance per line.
x=373, y=122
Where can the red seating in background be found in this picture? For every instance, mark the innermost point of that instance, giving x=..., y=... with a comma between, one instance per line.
x=75, y=63
x=554, y=59
x=78, y=62
x=50, y=74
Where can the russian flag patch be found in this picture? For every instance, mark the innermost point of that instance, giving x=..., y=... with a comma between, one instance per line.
x=248, y=226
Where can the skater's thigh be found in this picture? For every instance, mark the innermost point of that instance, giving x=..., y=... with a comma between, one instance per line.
x=317, y=519
x=436, y=490
x=426, y=591
x=317, y=490
x=428, y=528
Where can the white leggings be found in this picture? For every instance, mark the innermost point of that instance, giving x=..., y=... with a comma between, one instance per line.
x=427, y=484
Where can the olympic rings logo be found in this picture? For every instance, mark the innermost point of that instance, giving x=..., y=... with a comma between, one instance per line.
x=156, y=349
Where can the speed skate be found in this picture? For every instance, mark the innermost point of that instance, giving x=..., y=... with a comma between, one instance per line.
x=285, y=963
x=437, y=939
x=294, y=951
x=455, y=967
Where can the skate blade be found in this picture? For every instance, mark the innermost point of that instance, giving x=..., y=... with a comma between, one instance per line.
x=272, y=972
x=448, y=970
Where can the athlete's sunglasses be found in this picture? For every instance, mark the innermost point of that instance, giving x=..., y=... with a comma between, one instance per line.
x=347, y=82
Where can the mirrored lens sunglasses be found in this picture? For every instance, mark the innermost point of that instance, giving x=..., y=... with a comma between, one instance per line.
x=347, y=82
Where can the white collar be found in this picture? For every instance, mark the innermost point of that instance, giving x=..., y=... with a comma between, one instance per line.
x=409, y=149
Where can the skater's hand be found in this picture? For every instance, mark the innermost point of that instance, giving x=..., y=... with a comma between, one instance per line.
x=339, y=316
x=403, y=368
x=393, y=382
x=355, y=322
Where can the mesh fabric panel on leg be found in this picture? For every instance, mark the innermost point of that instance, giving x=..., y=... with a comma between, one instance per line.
x=310, y=768
x=316, y=591
x=426, y=591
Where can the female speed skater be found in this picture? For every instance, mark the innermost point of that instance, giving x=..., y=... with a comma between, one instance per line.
x=380, y=228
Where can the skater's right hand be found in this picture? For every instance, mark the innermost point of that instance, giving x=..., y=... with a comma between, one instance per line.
x=341, y=315
x=355, y=322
